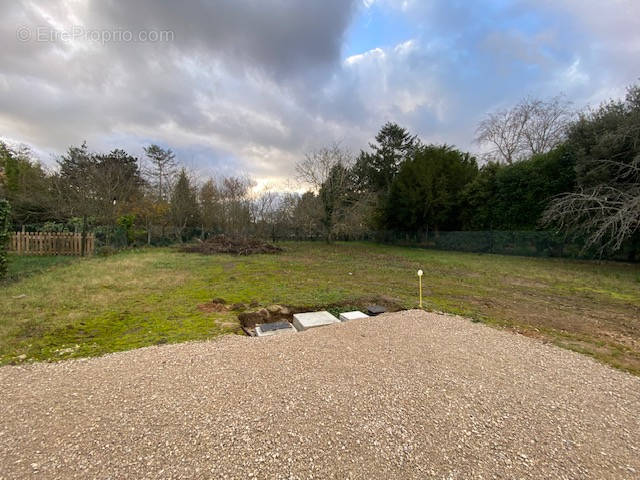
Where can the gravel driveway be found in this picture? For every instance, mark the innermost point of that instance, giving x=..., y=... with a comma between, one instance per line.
x=406, y=395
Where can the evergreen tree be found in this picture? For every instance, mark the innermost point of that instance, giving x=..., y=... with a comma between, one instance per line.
x=184, y=205
x=426, y=193
x=162, y=170
x=376, y=170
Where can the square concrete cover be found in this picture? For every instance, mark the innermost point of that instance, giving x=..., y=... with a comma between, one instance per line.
x=346, y=316
x=305, y=321
x=278, y=328
x=376, y=310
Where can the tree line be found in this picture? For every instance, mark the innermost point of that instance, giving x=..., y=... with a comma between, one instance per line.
x=576, y=174
x=154, y=200
x=544, y=167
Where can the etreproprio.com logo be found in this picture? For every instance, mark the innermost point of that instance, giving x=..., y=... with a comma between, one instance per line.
x=47, y=34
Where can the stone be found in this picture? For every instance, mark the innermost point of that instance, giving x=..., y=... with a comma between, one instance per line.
x=238, y=307
x=346, y=316
x=305, y=321
x=375, y=310
x=219, y=300
x=276, y=328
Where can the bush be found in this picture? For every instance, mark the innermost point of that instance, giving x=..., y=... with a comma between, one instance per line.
x=4, y=235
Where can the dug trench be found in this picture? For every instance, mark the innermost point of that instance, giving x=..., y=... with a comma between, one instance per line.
x=256, y=313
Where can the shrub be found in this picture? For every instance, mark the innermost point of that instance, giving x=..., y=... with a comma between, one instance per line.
x=4, y=235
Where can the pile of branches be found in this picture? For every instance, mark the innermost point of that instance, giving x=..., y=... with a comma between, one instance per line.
x=234, y=245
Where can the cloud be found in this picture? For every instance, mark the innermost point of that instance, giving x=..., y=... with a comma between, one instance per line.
x=249, y=86
x=225, y=80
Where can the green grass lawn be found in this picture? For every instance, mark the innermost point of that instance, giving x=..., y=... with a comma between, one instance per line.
x=56, y=307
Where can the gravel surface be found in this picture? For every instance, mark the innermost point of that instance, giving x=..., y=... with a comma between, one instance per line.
x=404, y=395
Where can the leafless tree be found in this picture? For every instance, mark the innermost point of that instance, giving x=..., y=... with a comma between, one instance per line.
x=264, y=212
x=502, y=131
x=327, y=171
x=546, y=123
x=306, y=216
x=531, y=127
x=316, y=167
x=236, y=204
x=606, y=215
x=209, y=197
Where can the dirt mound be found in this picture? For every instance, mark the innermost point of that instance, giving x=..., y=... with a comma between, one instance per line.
x=273, y=313
x=233, y=245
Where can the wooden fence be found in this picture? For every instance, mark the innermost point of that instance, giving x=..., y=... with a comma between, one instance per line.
x=50, y=243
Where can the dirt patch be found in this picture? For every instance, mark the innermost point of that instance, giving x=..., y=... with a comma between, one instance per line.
x=213, y=307
x=232, y=245
x=273, y=313
x=279, y=313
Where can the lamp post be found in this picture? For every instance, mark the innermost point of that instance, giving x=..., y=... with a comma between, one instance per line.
x=420, y=273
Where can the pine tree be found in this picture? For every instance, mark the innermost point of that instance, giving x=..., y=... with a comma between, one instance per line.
x=162, y=171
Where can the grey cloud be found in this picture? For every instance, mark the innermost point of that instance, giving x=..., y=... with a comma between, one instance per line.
x=280, y=37
x=251, y=85
x=225, y=79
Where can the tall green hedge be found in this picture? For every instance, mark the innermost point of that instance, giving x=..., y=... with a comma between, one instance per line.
x=4, y=235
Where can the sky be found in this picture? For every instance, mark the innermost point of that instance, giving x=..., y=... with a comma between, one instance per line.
x=247, y=87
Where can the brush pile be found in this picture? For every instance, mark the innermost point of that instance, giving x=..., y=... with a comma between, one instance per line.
x=233, y=245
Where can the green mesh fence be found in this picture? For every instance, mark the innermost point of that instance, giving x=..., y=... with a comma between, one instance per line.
x=526, y=243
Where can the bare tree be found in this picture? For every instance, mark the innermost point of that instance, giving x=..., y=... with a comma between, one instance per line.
x=327, y=171
x=264, y=212
x=502, y=131
x=209, y=197
x=546, y=123
x=606, y=215
x=236, y=204
x=531, y=127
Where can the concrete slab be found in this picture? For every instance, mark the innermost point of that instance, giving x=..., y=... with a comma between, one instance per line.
x=276, y=328
x=305, y=321
x=346, y=316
